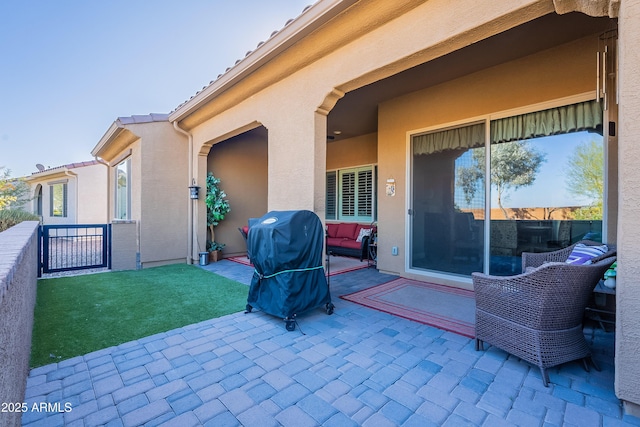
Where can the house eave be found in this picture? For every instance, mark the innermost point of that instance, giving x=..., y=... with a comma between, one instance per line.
x=310, y=20
x=116, y=139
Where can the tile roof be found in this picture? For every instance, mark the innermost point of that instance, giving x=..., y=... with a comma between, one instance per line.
x=148, y=118
x=68, y=166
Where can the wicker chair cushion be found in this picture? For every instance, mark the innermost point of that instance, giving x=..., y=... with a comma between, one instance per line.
x=583, y=254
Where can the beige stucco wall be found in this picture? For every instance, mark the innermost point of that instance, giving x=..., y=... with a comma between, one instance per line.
x=241, y=164
x=165, y=196
x=552, y=74
x=159, y=189
x=160, y=193
x=346, y=153
x=92, y=194
x=628, y=287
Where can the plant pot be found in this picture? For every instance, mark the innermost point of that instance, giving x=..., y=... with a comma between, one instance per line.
x=214, y=256
x=204, y=258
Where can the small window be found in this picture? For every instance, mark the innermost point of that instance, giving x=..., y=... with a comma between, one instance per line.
x=332, y=195
x=123, y=190
x=58, y=200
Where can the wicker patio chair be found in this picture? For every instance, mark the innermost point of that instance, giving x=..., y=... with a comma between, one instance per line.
x=537, y=315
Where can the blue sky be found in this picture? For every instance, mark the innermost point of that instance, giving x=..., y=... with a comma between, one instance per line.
x=550, y=186
x=69, y=68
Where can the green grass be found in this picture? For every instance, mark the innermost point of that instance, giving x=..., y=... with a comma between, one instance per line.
x=80, y=314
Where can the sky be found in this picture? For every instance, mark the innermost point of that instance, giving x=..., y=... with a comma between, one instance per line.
x=70, y=68
x=550, y=188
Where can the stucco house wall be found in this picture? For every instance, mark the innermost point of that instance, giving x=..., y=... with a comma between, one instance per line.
x=159, y=195
x=628, y=288
x=359, y=150
x=86, y=192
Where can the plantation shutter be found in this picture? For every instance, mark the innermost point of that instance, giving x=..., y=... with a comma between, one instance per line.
x=348, y=190
x=332, y=196
x=356, y=194
x=365, y=193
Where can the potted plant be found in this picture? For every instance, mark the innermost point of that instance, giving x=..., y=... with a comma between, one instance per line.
x=217, y=209
x=610, y=276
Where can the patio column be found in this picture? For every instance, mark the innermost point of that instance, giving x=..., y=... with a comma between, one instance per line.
x=297, y=158
x=627, y=368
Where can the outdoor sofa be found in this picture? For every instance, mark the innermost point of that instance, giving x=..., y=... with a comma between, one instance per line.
x=349, y=239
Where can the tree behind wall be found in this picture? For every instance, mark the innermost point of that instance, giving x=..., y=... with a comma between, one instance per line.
x=13, y=191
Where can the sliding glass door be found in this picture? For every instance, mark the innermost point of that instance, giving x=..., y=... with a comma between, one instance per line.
x=540, y=181
x=447, y=221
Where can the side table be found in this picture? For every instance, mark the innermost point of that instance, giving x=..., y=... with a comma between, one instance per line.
x=602, y=307
x=372, y=255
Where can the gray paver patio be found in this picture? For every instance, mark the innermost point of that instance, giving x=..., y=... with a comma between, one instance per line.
x=356, y=367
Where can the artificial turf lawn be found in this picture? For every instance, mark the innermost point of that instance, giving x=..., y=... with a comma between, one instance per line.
x=80, y=314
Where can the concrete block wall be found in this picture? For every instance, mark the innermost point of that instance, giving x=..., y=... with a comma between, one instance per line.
x=124, y=245
x=18, y=286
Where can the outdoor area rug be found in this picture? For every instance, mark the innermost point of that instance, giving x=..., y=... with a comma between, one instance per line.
x=337, y=264
x=443, y=307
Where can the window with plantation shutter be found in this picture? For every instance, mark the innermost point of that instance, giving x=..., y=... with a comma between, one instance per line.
x=365, y=193
x=348, y=190
x=332, y=195
x=351, y=194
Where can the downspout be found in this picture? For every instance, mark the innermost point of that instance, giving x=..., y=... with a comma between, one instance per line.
x=189, y=182
x=103, y=162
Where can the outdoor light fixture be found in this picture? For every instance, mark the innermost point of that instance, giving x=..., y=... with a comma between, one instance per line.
x=193, y=190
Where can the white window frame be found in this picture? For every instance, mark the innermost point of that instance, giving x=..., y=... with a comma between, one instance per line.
x=65, y=199
x=127, y=199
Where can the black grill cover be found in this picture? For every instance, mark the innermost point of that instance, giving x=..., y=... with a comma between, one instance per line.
x=286, y=249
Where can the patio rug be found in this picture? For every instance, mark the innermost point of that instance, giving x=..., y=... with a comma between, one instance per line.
x=443, y=307
x=337, y=264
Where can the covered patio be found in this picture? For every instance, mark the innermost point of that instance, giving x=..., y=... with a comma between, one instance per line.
x=358, y=366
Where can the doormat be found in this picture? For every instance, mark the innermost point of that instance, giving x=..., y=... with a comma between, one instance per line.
x=443, y=307
x=337, y=264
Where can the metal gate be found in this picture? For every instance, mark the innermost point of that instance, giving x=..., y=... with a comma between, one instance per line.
x=74, y=247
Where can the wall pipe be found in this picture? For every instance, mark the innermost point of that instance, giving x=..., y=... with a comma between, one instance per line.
x=190, y=224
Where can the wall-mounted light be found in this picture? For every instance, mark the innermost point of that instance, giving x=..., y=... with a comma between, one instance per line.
x=193, y=190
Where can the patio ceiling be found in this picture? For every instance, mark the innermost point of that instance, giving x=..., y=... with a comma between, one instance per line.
x=357, y=112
